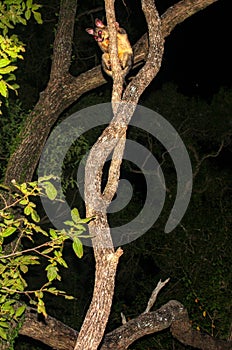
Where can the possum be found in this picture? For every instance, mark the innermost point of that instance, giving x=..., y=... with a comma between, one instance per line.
x=125, y=53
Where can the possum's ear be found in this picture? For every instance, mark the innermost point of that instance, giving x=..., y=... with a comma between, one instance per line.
x=99, y=23
x=90, y=31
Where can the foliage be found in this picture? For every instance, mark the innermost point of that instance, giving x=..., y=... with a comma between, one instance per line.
x=19, y=221
x=13, y=12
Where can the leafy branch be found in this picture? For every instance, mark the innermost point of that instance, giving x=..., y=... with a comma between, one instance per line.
x=12, y=13
x=20, y=220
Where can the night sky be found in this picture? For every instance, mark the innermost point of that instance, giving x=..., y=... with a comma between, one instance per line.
x=198, y=52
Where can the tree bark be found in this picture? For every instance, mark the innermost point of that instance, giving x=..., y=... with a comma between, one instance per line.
x=93, y=327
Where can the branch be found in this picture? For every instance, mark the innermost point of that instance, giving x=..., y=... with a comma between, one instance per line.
x=62, y=46
x=51, y=332
x=200, y=161
x=182, y=330
x=114, y=170
x=154, y=57
x=180, y=12
x=173, y=314
x=113, y=51
x=154, y=294
x=174, y=15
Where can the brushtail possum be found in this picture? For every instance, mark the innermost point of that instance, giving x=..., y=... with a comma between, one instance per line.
x=125, y=53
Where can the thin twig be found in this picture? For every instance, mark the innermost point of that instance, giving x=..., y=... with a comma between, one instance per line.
x=154, y=295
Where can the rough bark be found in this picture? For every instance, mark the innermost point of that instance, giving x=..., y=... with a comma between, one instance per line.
x=173, y=314
x=106, y=259
x=63, y=89
x=50, y=332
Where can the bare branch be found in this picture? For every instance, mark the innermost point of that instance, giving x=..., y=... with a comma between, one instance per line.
x=154, y=294
x=174, y=15
x=154, y=58
x=123, y=317
x=179, y=12
x=200, y=161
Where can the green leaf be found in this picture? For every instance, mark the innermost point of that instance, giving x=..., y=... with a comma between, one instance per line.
x=20, y=311
x=13, y=86
x=38, y=17
x=77, y=247
x=80, y=227
x=68, y=297
x=28, y=14
x=11, y=77
x=8, y=222
x=29, y=4
x=3, y=88
x=2, y=268
x=40, y=230
x=41, y=308
x=86, y=220
x=9, y=231
x=75, y=215
x=22, y=20
x=23, y=188
x=4, y=324
x=69, y=223
x=24, y=201
x=34, y=215
x=62, y=262
x=24, y=268
x=53, y=233
x=52, y=272
x=4, y=187
x=4, y=62
x=35, y=7
x=3, y=333
x=50, y=190
x=7, y=69
x=27, y=210
x=47, y=251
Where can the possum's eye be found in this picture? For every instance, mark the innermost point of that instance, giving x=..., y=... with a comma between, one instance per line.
x=99, y=33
